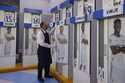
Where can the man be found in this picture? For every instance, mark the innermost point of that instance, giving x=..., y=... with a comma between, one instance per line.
x=44, y=53
x=62, y=41
x=117, y=46
x=8, y=39
x=83, y=50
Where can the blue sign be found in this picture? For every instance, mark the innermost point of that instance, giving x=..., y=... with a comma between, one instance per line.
x=9, y=19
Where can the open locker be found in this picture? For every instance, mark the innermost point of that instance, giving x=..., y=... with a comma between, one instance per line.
x=8, y=36
x=32, y=20
x=111, y=43
x=62, y=42
x=84, y=10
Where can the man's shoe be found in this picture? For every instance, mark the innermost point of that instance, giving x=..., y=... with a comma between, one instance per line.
x=40, y=79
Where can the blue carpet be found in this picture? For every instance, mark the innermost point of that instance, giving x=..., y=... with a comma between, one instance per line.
x=21, y=77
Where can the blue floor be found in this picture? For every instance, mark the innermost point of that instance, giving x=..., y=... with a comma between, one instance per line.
x=21, y=77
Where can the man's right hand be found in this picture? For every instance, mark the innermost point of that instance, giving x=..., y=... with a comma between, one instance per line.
x=52, y=46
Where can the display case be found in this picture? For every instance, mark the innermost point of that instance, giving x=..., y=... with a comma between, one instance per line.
x=8, y=16
x=32, y=20
x=83, y=18
x=111, y=42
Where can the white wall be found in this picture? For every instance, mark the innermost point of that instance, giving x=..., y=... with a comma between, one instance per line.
x=54, y=3
x=35, y=4
x=44, y=5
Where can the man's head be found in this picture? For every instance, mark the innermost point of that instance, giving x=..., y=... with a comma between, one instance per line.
x=117, y=26
x=82, y=27
x=61, y=29
x=44, y=25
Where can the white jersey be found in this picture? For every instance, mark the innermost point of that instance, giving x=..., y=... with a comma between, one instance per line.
x=61, y=38
x=8, y=43
x=83, y=52
x=34, y=44
x=54, y=50
x=118, y=61
x=62, y=48
x=117, y=41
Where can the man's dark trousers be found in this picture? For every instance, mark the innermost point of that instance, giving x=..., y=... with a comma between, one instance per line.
x=44, y=57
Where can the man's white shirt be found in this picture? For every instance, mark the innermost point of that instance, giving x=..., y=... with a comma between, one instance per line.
x=41, y=38
x=118, y=60
x=117, y=41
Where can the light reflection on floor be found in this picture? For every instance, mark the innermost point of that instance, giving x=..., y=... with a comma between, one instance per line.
x=23, y=77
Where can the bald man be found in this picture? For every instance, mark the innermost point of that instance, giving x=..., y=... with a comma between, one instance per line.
x=44, y=52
